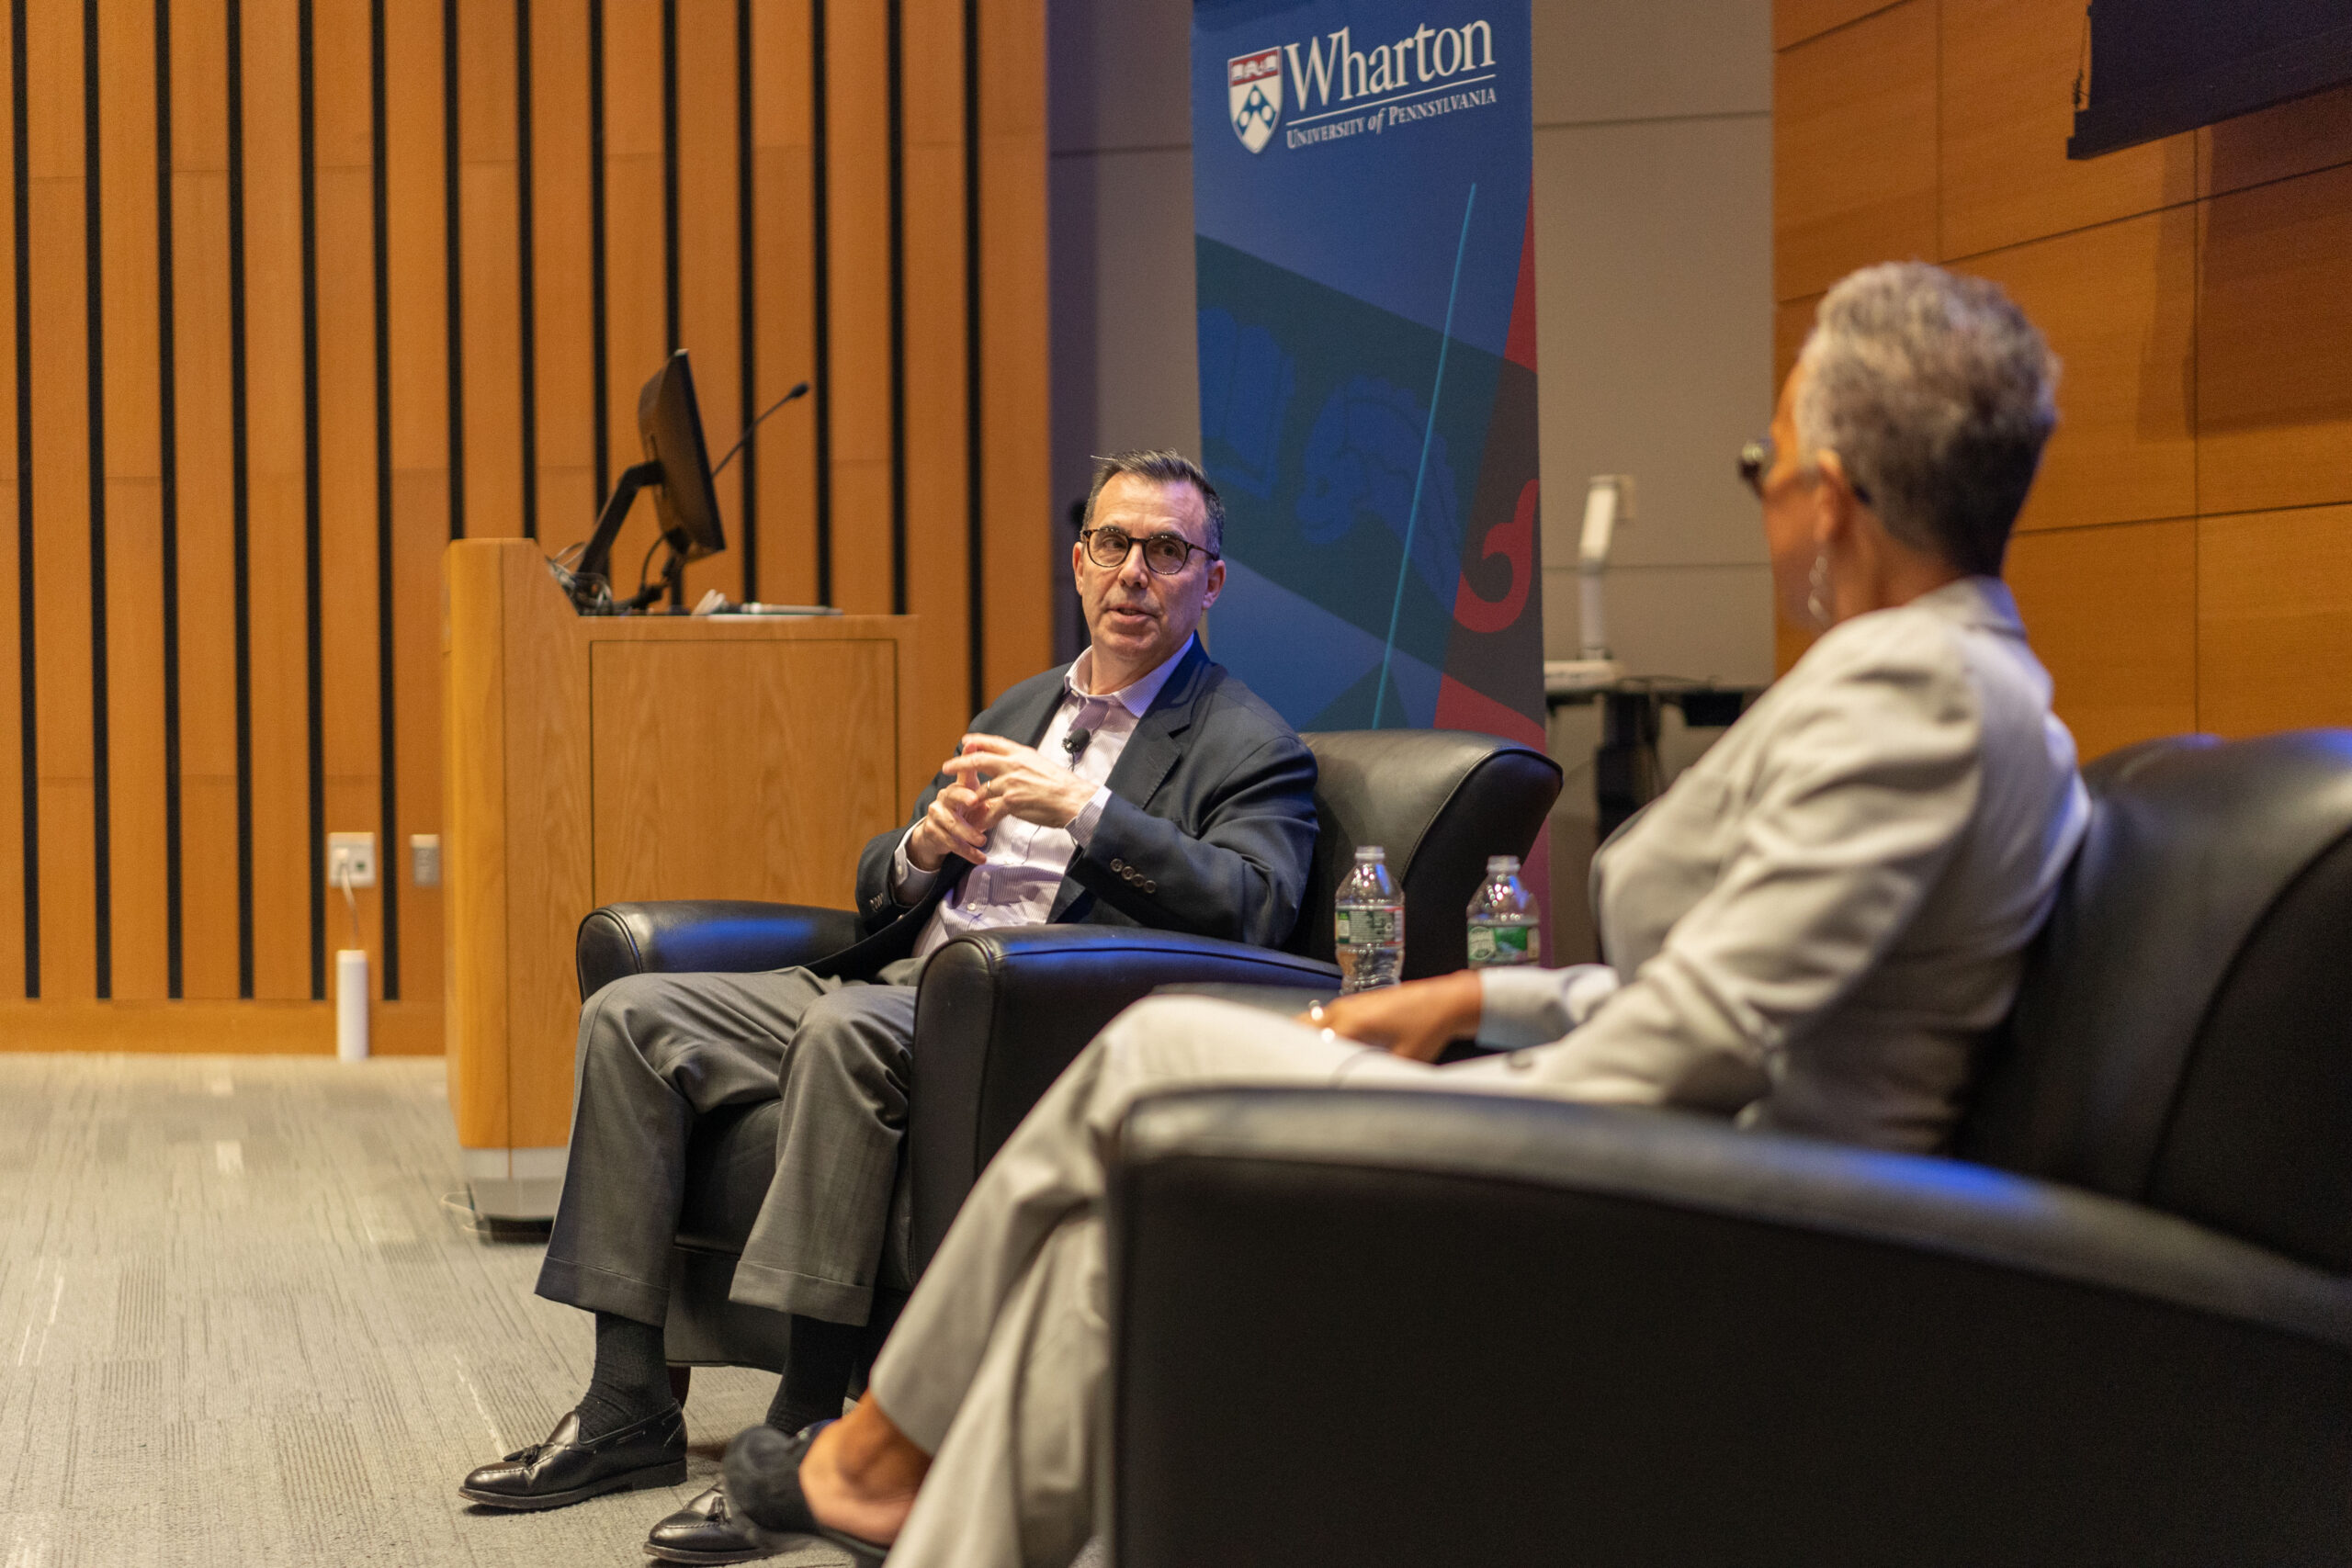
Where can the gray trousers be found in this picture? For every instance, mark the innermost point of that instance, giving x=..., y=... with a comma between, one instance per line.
x=657, y=1051
x=997, y=1366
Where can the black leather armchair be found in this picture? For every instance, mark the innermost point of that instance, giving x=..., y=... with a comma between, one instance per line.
x=1369, y=1330
x=1000, y=1014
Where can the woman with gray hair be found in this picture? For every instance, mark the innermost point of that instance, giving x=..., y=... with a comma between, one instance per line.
x=1810, y=930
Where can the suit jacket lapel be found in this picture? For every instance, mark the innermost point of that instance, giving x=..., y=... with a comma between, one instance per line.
x=1152, y=751
x=1024, y=719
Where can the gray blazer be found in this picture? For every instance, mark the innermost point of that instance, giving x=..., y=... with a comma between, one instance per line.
x=1816, y=925
x=1210, y=829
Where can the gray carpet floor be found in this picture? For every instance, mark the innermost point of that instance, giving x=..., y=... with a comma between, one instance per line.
x=242, y=1322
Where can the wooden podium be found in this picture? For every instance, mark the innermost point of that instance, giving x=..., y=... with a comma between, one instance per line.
x=591, y=760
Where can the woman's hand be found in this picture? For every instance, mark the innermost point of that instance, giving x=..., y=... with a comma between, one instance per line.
x=1417, y=1019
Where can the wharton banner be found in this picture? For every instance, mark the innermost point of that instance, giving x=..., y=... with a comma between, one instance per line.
x=1361, y=181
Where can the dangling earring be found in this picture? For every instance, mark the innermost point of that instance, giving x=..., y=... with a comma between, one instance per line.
x=1816, y=602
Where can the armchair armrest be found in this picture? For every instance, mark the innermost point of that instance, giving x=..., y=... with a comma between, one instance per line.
x=1003, y=1012
x=1664, y=1340
x=686, y=935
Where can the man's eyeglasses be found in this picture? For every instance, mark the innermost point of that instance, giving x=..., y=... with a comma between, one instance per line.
x=1165, y=554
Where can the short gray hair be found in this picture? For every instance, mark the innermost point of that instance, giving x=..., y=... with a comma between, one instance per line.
x=1161, y=467
x=1936, y=394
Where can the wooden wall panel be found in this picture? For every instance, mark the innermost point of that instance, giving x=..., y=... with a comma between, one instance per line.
x=707, y=295
x=275, y=526
x=1854, y=149
x=138, y=948
x=2274, y=644
x=349, y=733
x=2296, y=138
x=282, y=258
x=2118, y=304
x=489, y=230
x=783, y=454
x=60, y=479
x=636, y=287
x=2274, y=381
x=938, y=546
x=207, y=441
x=416, y=379
x=12, y=766
x=858, y=151
x=565, y=318
x=1023, y=560
x=1794, y=21
x=2113, y=612
x=2007, y=108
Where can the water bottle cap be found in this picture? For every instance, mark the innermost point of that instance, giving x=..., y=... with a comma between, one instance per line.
x=1497, y=865
x=1370, y=851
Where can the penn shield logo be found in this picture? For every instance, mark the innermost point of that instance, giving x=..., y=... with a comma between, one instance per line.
x=1253, y=91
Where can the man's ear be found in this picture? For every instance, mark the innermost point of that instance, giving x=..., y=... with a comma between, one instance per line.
x=1216, y=585
x=1078, y=566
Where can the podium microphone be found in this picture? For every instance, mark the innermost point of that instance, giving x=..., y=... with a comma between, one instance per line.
x=800, y=391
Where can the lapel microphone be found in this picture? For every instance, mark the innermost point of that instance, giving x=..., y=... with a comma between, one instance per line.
x=1076, y=742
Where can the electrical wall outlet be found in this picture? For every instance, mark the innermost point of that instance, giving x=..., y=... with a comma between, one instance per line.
x=351, y=860
x=425, y=859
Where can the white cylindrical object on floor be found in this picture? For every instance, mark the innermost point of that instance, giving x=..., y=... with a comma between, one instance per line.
x=350, y=1004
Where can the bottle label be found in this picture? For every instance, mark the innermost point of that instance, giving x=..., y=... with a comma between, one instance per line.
x=1503, y=945
x=1367, y=927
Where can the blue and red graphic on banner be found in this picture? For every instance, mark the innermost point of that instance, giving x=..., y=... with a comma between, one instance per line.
x=1362, y=174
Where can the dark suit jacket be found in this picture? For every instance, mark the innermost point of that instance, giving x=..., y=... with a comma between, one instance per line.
x=1210, y=828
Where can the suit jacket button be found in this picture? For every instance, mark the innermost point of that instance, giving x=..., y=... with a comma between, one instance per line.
x=1150, y=886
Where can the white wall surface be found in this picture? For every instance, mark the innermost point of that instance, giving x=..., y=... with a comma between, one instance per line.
x=1652, y=246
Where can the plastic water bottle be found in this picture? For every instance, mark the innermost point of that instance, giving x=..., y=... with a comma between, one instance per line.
x=1368, y=924
x=1506, y=927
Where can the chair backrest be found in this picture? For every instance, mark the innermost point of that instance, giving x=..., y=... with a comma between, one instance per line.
x=2183, y=1037
x=1440, y=802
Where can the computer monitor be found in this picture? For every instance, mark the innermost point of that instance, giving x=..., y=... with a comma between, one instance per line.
x=670, y=424
x=678, y=468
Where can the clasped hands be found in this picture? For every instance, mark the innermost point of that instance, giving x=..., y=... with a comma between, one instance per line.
x=993, y=778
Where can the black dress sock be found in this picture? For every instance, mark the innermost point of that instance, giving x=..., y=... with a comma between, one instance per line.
x=826, y=1358
x=817, y=1368
x=631, y=1380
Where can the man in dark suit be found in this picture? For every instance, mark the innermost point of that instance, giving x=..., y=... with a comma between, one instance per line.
x=1141, y=785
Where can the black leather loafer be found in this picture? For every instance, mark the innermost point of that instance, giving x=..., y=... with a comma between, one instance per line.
x=705, y=1531
x=763, y=1471
x=563, y=1470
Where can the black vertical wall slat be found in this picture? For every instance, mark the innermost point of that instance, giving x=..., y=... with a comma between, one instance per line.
x=451, y=204
x=168, y=496
x=28, y=694
x=898, y=200
x=240, y=499
x=669, y=341
x=600, y=373
x=975, y=534
x=93, y=287
x=313, y=670
x=821, y=246
x=527, y=269
x=747, y=526
x=387, y=712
